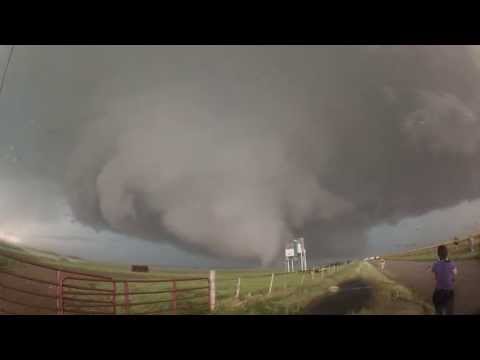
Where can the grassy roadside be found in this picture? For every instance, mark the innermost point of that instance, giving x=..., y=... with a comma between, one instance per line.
x=292, y=293
x=393, y=298
x=431, y=257
x=457, y=250
x=388, y=297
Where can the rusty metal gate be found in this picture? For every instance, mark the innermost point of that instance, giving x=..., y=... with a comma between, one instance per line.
x=32, y=288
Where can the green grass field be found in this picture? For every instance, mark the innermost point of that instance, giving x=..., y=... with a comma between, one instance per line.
x=291, y=292
x=388, y=297
x=458, y=250
x=253, y=280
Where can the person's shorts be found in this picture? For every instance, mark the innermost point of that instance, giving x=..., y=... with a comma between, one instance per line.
x=442, y=296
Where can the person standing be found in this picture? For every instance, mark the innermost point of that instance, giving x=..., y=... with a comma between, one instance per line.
x=445, y=272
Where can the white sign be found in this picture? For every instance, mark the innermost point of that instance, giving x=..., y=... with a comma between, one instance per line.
x=289, y=253
x=299, y=248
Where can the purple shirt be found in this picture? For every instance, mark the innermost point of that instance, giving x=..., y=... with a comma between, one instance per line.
x=444, y=273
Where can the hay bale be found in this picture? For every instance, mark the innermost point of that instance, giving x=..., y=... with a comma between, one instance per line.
x=140, y=268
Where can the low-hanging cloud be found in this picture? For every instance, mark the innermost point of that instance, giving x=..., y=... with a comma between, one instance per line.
x=233, y=151
x=223, y=189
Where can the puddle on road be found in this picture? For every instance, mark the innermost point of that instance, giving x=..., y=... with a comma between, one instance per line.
x=350, y=296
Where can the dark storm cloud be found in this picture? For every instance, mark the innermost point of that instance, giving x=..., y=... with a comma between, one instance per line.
x=234, y=150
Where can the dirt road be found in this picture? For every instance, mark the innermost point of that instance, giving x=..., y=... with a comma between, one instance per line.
x=418, y=276
x=352, y=296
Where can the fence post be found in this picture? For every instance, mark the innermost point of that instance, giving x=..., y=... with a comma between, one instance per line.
x=174, y=297
x=114, y=297
x=126, y=297
x=211, y=294
x=59, y=293
x=271, y=284
x=237, y=291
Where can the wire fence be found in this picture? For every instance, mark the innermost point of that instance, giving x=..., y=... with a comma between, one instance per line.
x=244, y=286
x=30, y=287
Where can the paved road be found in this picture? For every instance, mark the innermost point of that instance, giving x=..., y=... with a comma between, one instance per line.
x=417, y=276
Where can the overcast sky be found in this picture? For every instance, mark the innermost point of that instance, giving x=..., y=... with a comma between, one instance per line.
x=217, y=156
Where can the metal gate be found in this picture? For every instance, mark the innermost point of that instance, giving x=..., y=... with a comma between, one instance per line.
x=31, y=288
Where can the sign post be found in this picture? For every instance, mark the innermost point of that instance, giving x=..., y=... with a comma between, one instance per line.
x=289, y=255
x=304, y=253
x=295, y=251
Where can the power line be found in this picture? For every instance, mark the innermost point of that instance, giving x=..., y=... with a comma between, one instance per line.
x=4, y=75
